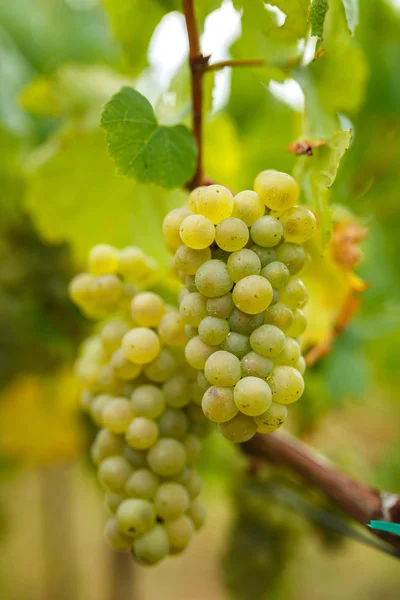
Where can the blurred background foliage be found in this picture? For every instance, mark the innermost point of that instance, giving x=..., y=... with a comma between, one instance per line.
x=60, y=60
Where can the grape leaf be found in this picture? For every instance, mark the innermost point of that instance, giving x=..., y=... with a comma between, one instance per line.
x=144, y=149
x=317, y=16
x=326, y=158
x=352, y=15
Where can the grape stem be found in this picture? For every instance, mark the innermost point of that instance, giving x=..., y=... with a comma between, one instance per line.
x=356, y=499
x=240, y=62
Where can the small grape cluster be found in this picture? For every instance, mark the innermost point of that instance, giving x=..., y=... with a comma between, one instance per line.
x=239, y=257
x=142, y=394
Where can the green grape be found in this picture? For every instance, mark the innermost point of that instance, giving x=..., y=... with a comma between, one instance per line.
x=148, y=401
x=266, y=255
x=252, y=396
x=106, y=444
x=220, y=307
x=97, y=407
x=112, y=333
x=242, y=263
x=252, y=294
x=171, y=501
x=294, y=294
x=266, y=232
x=192, y=198
x=107, y=380
x=135, y=516
x=222, y=369
x=123, y=368
x=193, y=448
x=244, y=323
x=290, y=353
x=135, y=265
x=220, y=254
x=193, y=308
x=190, y=332
x=142, y=484
x=193, y=484
x=202, y=429
x=196, y=393
x=279, y=315
x=141, y=345
x=231, y=234
x=171, y=329
x=173, y=423
x=103, y=260
x=218, y=404
x=147, y=309
x=287, y=384
x=142, y=433
x=189, y=260
x=152, y=547
x=81, y=289
x=129, y=290
x=117, y=415
x=202, y=381
x=197, y=513
x=236, y=344
x=292, y=255
x=197, y=232
x=182, y=294
x=213, y=331
x=167, y=458
x=114, y=537
x=190, y=283
x=299, y=224
x=197, y=352
x=248, y=207
x=298, y=325
x=277, y=274
x=279, y=191
x=272, y=419
x=268, y=341
x=239, y=429
x=196, y=415
x=177, y=391
x=113, y=473
x=162, y=367
x=107, y=289
x=212, y=279
x=214, y=202
x=112, y=501
x=180, y=532
x=136, y=458
x=171, y=225
x=256, y=366
x=301, y=365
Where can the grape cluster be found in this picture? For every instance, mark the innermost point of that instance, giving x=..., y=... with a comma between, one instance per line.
x=144, y=397
x=239, y=257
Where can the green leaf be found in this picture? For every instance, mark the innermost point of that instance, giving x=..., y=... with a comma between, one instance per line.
x=352, y=14
x=317, y=16
x=326, y=158
x=144, y=149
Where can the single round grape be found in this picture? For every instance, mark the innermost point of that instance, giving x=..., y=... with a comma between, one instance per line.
x=256, y=366
x=112, y=333
x=222, y=369
x=212, y=279
x=152, y=547
x=107, y=289
x=103, y=259
x=242, y=263
x=299, y=224
x=148, y=401
x=214, y=202
x=267, y=340
x=266, y=232
x=134, y=264
x=290, y=353
x=107, y=380
x=218, y=404
x=142, y=433
x=81, y=289
x=171, y=501
x=189, y=260
x=117, y=415
x=292, y=255
x=239, y=429
x=193, y=484
x=277, y=274
x=123, y=368
x=237, y=344
x=279, y=315
x=173, y=423
x=171, y=329
x=112, y=501
x=171, y=225
x=180, y=532
x=197, y=232
x=266, y=255
x=301, y=365
x=97, y=407
x=162, y=367
x=193, y=447
x=114, y=537
x=252, y=294
x=136, y=458
x=287, y=384
x=167, y=458
x=272, y=419
x=197, y=352
x=190, y=332
x=197, y=513
x=177, y=391
x=213, y=331
x=141, y=345
x=147, y=309
x=106, y=444
x=192, y=198
x=252, y=396
x=248, y=207
x=244, y=323
x=193, y=308
x=143, y=483
x=135, y=516
x=298, y=325
x=113, y=473
x=294, y=294
x=231, y=234
x=279, y=191
x=220, y=307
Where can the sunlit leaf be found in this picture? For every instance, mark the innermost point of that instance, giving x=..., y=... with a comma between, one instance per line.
x=352, y=14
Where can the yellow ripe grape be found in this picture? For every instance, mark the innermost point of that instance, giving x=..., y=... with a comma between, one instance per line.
x=171, y=225
x=107, y=289
x=248, y=207
x=147, y=309
x=299, y=224
x=142, y=433
x=214, y=202
x=112, y=333
x=123, y=368
x=286, y=383
x=171, y=329
x=279, y=191
x=197, y=232
x=231, y=234
x=117, y=414
x=192, y=198
x=272, y=419
x=252, y=396
x=81, y=289
x=135, y=265
x=197, y=352
x=141, y=345
x=103, y=260
x=189, y=260
x=252, y=294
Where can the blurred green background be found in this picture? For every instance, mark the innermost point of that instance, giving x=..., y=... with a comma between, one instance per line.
x=59, y=195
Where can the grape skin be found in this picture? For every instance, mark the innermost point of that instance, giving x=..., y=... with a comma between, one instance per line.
x=142, y=433
x=299, y=224
x=252, y=294
x=197, y=513
x=135, y=516
x=287, y=384
x=103, y=260
x=268, y=341
x=222, y=369
x=218, y=404
x=142, y=484
x=193, y=308
x=171, y=501
x=180, y=532
x=244, y=323
x=248, y=207
x=231, y=234
x=171, y=225
x=237, y=344
x=167, y=458
x=197, y=353
x=252, y=396
x=197, y=232
x=189, y=260
x=212, y=279
x=279, y=191
x=141, y=345
x=242, y=263
x=148, y=401
x=214, y=202
x=117, y=415
x=220, y=307
x=266, y=231
x=152, y=547
x=213, y=331
x=114, y=537
x=255, y=365
x=147, y=309
x=272, y=419
x=239, y=429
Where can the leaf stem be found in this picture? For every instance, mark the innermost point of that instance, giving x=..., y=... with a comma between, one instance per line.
x=240, y=62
